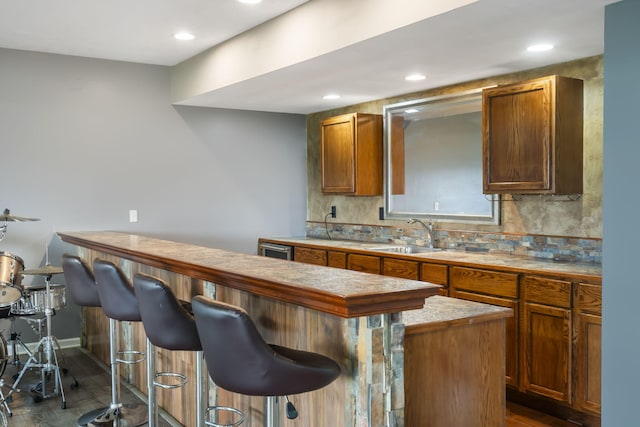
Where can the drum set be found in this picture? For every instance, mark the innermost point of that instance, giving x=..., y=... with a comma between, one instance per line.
x=29, y=302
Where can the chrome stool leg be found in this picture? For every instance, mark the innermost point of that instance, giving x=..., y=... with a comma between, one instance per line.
x=152, y=404
x=272, y=411
x=119, y=414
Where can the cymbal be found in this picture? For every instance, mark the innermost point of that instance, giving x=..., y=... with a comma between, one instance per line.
x=9, y=217
x=46, y=270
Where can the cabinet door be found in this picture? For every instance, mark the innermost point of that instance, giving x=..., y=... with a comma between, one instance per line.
x=547, y=351
x=365, y=263
x=351, y=154
x=517, y=123
x=310, y=256
x=511, y=331
x=532, y=137
x=588, y=346
x=338, y=154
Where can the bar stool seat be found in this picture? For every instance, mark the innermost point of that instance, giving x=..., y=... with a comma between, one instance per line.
x=119, y=304
x=240, y=361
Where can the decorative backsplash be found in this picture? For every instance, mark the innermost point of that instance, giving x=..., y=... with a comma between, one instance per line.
x=535, y=246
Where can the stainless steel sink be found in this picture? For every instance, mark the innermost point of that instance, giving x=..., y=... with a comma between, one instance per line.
x=407, y=249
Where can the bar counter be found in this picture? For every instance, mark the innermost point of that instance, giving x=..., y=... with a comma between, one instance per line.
x=354, y=318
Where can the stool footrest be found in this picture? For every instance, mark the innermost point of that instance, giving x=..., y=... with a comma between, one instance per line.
x=182, y=380
x=130, y=354
x=227, y=409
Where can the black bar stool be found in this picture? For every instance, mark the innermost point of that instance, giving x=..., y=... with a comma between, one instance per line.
x=82, y=288
x=168, y=324
x=119, y=303
x=240, y=361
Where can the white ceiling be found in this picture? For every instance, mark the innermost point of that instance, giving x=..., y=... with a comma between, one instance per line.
x=482, y=39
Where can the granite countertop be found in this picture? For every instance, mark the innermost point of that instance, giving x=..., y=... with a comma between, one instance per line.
x=344, y=293
x=441, y=312
x=505, y=262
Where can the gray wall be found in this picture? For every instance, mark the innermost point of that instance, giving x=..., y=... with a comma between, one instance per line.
x=621, y=337
x=83, y=141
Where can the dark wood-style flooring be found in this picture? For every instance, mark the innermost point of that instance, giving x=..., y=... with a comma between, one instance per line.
x=93, y=391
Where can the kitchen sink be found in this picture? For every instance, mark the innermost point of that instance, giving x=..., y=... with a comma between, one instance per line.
x=407, y=249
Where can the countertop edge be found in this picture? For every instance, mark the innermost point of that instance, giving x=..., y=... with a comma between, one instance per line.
x=346, y=306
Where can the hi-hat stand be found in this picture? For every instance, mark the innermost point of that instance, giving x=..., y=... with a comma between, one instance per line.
x=46, y=347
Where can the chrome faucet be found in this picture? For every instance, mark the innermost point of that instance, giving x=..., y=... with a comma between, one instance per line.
x=429, y=229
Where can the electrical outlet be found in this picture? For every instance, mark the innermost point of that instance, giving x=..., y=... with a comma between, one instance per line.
x=133, y=215
x=436, y=206
x=333, y=211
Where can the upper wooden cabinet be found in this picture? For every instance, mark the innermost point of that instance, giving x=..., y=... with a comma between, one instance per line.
x=352, y=154
x=532, y=137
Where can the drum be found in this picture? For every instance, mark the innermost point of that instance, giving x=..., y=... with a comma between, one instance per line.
x=8, y=294
x=23, y=307
x=10, y=268
x=38, y=297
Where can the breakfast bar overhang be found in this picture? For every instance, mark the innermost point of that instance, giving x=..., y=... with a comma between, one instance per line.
x=354, y=318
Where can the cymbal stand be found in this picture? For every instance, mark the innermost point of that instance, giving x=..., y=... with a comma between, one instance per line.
x=46, y=346
x=3, y=231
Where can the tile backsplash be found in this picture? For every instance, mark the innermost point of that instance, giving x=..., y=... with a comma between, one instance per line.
x=559, y=248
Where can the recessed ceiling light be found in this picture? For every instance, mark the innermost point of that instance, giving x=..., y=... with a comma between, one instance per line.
x=184, y=36
x=415, y=77
x=542, y=47
x=331, y=96
x=411, y=110
x=250, y=1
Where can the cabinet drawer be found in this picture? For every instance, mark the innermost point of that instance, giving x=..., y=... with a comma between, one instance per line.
x=337, y=259
x=310, y=256
x=589, y=298
x=434, y=273
x=547, y=291
x=366, y=263
x=400, y=268
x=485, y=281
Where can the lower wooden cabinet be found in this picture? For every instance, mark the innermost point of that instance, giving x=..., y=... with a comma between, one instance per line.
x=588, y=347
x=546, y=338
x=547, y=351
x=496, y=288
x=552, y=342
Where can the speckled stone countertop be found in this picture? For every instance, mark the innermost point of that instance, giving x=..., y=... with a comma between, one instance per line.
x=339, y=292
x=512, y=263
x=443, y=312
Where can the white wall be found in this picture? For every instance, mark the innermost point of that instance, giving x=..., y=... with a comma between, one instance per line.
x=83, y=141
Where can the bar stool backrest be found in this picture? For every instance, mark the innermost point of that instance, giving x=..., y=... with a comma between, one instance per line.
x=81, y=282
x=116, y=292
x=166, y=322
